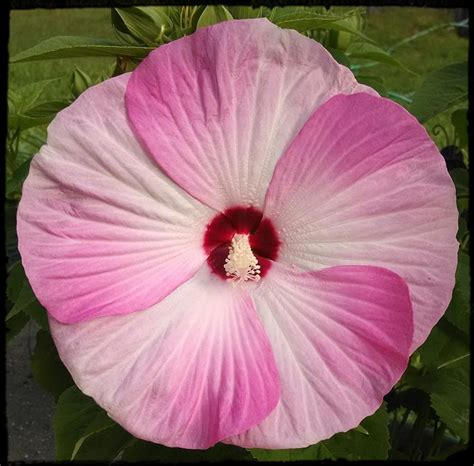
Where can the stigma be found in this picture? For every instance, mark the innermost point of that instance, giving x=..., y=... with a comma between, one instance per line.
x=241, y=264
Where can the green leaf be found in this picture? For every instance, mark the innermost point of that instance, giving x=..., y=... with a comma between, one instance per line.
x=146, y=24
x=72, y=46
x=450, y=396
x=444, y=346
x=356, y=445
x=339, y=56
x=16, y=324
x=245, y=12
x=18, y=290
x=80, y=81
x=459, y=121
x=213, y=14
x=40, y=114
x=459, y=307
x=146, y=451
x=27, y=96
x=77, y=417
x=447, y=383
x=370, y=440
x=344, y=39
x=368, y=51
x=15, y=279
x=38, y=313
x=375, y=82
x=11, y=240
x=302, y=21
x=15, y=182
x=104, y=445
x=440, y=91
x=460, y=178
x=47, y=368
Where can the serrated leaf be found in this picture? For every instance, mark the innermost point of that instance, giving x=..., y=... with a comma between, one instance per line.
x=72, y=46
x=459, y=308
x=370, y=440
x=213, y=14
x=76, y=417
x=146, y=451
x=47, y=368
x=440, y=91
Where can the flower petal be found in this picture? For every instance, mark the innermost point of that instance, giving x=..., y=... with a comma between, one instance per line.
x=341, y=338
x=187, y=372
x=101, y=229
x=363, y=183
x=216, y=109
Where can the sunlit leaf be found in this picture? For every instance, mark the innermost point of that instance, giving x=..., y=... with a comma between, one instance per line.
x=213, y=14
x=369, y=51
x=72, y=46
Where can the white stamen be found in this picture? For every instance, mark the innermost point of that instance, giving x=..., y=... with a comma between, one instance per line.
x=241, y=264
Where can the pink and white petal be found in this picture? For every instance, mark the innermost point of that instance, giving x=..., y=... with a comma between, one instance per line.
x=216, y=109
x=363, y=183
x=341, y=339
x=187, y=372
x=101, y=229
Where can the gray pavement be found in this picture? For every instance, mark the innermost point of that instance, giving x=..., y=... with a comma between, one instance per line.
x=29, y=407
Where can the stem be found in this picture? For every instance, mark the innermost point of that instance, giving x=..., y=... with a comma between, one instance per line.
x=437, y=129
x=454, y=360
x=401, y=97
x=465, y=241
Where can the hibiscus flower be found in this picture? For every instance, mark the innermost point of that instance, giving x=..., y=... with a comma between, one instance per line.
x=237, y=242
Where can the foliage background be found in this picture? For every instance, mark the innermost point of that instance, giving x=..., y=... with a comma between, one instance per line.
x=426, y=415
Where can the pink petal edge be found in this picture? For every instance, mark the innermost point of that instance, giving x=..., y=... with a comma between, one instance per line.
x=187, y=372
x=341, y=339
x=101, y=230
x=216, y=109
x=363, y=183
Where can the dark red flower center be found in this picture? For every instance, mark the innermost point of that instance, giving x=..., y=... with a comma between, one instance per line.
x=262, y=237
